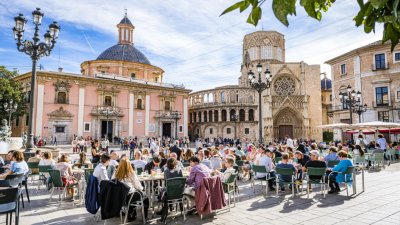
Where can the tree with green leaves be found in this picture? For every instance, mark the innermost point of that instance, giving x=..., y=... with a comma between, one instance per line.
x=372, y=12
x=11, y=95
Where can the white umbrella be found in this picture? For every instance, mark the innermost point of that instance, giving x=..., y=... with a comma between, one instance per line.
x=334, y=126
x=375, y=125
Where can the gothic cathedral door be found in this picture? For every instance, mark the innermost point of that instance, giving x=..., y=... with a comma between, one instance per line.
x=285, y=130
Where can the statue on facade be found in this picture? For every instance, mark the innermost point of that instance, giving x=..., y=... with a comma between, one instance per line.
x=5, y=130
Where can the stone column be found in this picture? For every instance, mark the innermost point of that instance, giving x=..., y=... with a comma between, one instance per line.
x=130, y=114
x=81, y=110
x=185, y=117
x=219, y=115
x=39, y=109
x=147, y=116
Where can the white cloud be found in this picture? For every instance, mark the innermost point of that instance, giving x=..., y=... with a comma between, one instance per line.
x=188, y=39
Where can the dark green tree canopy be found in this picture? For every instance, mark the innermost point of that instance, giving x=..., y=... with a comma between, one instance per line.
x=372, y=12
x=10, y=91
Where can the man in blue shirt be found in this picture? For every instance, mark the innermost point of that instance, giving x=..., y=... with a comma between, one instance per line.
x=284, y=164
x=332, y=156
x=336, y=178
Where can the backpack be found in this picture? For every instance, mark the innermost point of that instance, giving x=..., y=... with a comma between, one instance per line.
x=91, y=197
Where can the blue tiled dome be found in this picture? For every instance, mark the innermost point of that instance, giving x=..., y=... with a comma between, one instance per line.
x=326, y=84
x=124, y=52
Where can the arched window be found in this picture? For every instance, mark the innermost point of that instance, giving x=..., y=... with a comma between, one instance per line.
x=242, y=115
x=232, y=114
x=210, y=119
x=223, y=112
x=62, y=97
x=107, y=101
x=200, y=117
x=216, y=116
x=222, y=97
x=205, y=116
x=210, y=97
x=205, y=98
x=251, y=114
x=139, y=104
x=167, y=106
x=195, y=117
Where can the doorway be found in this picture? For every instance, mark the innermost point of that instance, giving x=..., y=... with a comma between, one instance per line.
x=285, y=130
x=107, y=127
x=166, y=130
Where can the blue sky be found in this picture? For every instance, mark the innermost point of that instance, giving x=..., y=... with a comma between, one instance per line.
x=186, y=38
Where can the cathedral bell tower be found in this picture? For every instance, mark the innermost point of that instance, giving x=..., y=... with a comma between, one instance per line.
x=125, y=31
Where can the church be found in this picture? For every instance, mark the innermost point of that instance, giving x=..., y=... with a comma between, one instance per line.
x=291, y=106
x=119, y=94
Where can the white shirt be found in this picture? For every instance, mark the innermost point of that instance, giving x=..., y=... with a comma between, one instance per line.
x=104, y=144
x=361, y=142
x=290, y=143
x=100, y=172
x=267, y=162
x=139, y=163
x=113, y=163
x=47, y=162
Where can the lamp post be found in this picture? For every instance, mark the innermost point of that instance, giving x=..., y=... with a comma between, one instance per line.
x=260, y=86
x=176, y=116
x=352, y=99
x=10, y=108
x=107, y=112
x=235, y=118
x=360, y=109
x=35, y=49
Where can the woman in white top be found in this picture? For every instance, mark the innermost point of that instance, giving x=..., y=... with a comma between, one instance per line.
x=127, y=175
x=229, y=169
x=47, y=160
x=66, y=173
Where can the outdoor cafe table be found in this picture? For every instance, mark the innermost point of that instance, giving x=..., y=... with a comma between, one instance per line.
x=149, y=185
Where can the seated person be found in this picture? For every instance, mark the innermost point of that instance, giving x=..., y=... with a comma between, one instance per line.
x=83, y=161
x=229, y=162
x=138, y=162
x=35, y=159
x=127, y=175
x=47, y=160
x=284, y=164
x=172, y=170
x=336, y=178
x=65, y=168
x=314, y=162
x=215, y=161
x=175, y=156
x=203, y=159
x=100, y=172
x=197, y=172
x=264, y=160
x=332, y=156
x=18, y=166
x=155, y=164
x=114, y=159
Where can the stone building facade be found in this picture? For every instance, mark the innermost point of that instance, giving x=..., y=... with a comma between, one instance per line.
x=119, y=94
x=375, y=71
x=292, y=105
x=326, y=99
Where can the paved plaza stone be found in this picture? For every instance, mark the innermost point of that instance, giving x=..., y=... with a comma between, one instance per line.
x=379, y=204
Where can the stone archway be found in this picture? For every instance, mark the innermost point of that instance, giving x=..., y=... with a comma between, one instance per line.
x=288, y=122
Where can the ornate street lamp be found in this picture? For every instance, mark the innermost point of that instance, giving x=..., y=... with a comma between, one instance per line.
x=10, y=108
x=176, y=116
x=35, y=49
x=360, y=109
x=352, y=99
x=260, y=86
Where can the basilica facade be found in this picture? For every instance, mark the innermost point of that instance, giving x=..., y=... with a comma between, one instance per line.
x=291, y=106
x=119, y=94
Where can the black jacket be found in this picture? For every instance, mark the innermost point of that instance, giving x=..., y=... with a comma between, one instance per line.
x=112, y=196
x=149, y=166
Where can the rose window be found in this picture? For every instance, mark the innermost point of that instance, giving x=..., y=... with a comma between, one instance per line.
x=284, y=86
